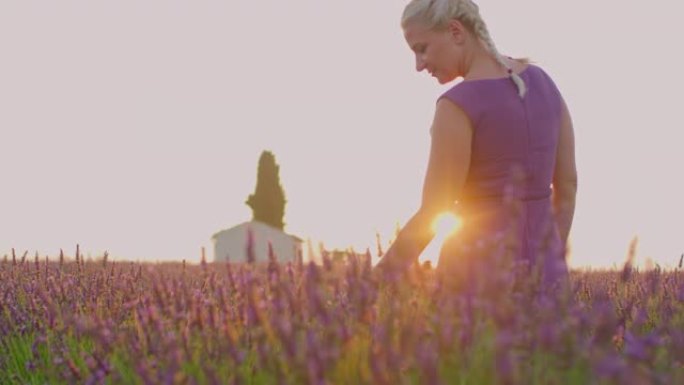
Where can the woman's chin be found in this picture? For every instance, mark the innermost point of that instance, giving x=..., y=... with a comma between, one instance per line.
x=443, y=79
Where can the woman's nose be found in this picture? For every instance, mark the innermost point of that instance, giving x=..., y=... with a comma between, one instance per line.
x=420, y=63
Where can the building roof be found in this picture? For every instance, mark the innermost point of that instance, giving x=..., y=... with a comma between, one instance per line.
x=257, y=224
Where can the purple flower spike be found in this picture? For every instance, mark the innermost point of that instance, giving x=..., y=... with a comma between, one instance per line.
x=641, y=348
x=251, y=255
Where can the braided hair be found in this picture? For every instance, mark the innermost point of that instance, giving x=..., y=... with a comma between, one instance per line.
x=437, y=14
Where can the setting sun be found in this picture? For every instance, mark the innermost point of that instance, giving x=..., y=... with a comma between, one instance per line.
x=446, y=224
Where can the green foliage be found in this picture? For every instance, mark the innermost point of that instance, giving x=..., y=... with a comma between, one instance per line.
x=268, y=200
x=17, y=356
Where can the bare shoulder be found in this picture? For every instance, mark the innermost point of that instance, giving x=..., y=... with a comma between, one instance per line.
x=518, y=65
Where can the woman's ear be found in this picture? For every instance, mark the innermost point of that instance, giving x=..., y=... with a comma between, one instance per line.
x=457, y=30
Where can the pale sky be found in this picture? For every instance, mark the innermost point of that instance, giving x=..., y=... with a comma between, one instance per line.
x=135, y=126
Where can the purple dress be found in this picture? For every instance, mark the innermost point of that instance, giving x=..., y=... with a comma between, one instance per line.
x=513, y=157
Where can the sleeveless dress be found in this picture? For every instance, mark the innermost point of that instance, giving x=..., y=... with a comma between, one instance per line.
x=506, y=202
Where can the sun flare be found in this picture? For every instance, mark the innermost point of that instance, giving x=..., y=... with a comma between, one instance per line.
x=446, y=224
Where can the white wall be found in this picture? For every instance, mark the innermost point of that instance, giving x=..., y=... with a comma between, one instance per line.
x=233, y=242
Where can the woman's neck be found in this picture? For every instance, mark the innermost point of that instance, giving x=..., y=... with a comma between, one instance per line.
x=482, y=65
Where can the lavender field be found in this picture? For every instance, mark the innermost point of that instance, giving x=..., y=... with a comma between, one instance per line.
x=66, y=321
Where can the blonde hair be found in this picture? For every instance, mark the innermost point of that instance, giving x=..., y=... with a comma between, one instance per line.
x=436, y=14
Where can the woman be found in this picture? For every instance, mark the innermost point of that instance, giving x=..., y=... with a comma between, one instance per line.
x=502, y=148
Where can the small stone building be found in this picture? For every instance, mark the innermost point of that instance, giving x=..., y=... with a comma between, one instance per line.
x=231, y=243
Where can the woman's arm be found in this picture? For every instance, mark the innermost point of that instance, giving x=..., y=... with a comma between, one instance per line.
x=447, y=170
x=565, y=176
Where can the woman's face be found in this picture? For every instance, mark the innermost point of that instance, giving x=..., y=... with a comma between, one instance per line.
x=437, y=51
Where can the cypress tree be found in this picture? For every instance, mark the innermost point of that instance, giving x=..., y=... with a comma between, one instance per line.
x=268, y=200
